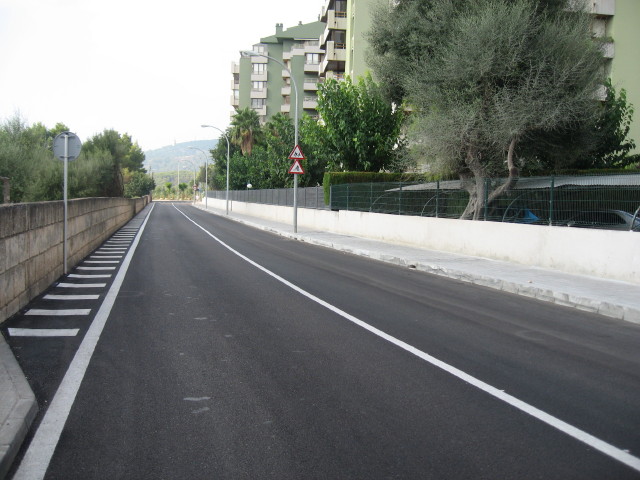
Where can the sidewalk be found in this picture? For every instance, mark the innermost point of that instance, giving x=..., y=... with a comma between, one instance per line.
x=611, y=298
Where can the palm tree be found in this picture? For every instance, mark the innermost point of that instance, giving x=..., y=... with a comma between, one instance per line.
x=245, y=129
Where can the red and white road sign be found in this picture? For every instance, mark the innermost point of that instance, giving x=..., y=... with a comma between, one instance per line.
x=296, y=154
x=296, y=168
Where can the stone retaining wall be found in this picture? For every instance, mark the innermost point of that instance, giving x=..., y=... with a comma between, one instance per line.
x=31, y=243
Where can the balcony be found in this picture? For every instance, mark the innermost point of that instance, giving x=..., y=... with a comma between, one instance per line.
x=310, y=103
x=285, y=108
x=602, y=7
x=285, y=74
x=259, y=77
x=311, y=68
x=285, y=91
x=335, y=52
x=262, y=93
x=310, y=86
x=608, y=49
x=235, y=102
x=261, y=111
x=235, y=68
x=336, y=20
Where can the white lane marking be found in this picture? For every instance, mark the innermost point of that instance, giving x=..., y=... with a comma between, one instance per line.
x=95, y=268
x=58, y=313
x=71, y=297
x=101, y=261
x=112, y=249
x=36, y=460
x=106, y=256
x=618, y=454
x=82, y=285
x=43, y=332
x=77, y=275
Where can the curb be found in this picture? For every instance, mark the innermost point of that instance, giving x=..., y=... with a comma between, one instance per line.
x=16, y=393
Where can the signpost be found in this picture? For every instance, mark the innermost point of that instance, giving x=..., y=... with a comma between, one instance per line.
x=66, y=147
x=296, y=169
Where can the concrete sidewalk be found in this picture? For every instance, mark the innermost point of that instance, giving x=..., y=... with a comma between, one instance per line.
x=611, y=298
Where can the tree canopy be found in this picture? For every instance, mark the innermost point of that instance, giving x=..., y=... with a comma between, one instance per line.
x=490, y=80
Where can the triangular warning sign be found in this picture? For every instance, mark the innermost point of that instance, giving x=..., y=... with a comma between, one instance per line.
x=296, y=168
x=296, y=153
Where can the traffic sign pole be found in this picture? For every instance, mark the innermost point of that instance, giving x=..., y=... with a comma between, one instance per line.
x=66, y=147
x=296, y=169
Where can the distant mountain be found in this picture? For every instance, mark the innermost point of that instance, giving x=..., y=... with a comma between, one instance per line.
x=166, y=159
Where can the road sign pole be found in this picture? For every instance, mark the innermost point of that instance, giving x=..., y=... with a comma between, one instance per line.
x=66, y=210
x=295, y=204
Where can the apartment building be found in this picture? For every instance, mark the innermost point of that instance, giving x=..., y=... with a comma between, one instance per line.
x=615, y=24
x=344, y=39
x=268, y=88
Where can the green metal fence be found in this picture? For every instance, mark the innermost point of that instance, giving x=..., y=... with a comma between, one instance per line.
x=595, y=201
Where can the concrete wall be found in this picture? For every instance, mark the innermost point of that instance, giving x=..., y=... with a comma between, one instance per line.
x=599, y=253
x=31, y=242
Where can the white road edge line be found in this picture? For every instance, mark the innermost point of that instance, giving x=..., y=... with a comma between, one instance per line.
x=36, y=460
x=584, y=437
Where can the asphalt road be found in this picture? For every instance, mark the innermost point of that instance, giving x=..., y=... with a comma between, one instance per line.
x=240, y=354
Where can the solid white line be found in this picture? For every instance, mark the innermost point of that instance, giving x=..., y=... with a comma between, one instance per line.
x=58, y=313
x=71, y=297
x=82, y=285
x=594, y=442
x=43, y=332
x=76, y=275
x=36, y=459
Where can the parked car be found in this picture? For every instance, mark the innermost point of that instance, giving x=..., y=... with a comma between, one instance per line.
x=606, y=219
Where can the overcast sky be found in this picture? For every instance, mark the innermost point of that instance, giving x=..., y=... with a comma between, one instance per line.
x=155, y=69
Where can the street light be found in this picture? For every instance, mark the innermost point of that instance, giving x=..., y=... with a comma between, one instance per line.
x=227, y=139
x=206, y=176
x=249, y=53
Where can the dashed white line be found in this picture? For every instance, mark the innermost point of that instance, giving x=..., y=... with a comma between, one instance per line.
x=82, y=285
x=95, y=268
x=43, y=332
x=58, y=313
x=77, y=275
x=71, y=297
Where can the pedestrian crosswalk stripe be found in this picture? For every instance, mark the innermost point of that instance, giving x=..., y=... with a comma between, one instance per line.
x=43, y=332
x=101, y=261
x=106, y=256
x=81, y=285
x=58, y=313
x=71, y=297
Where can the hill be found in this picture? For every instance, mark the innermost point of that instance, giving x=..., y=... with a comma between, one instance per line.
x=166, y=159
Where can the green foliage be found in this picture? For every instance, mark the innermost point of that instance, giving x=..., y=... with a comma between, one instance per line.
x=139, y=184
x=360, y=125
x=611, y=131
x=35, y=175
x=494, y=80
x=245, y=129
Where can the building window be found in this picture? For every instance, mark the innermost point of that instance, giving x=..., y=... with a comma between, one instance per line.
x=258, y=102
x=258, y=68
x=236, y=94
x=313, y=58
x=341, y=8
x=259, y=49
x=258, y=86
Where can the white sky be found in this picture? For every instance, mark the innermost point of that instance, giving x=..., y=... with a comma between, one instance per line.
x=155, y=69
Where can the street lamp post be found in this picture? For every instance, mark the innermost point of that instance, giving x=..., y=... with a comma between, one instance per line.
x=249, y=53
x=206, y=175
x=227, y=139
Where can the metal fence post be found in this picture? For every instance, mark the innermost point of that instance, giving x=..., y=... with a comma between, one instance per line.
x=486, y=198
x=437, y=198
x=553, y=179
x=400, y=200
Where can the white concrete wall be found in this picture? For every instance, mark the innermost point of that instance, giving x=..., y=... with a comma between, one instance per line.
x=599, y=253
